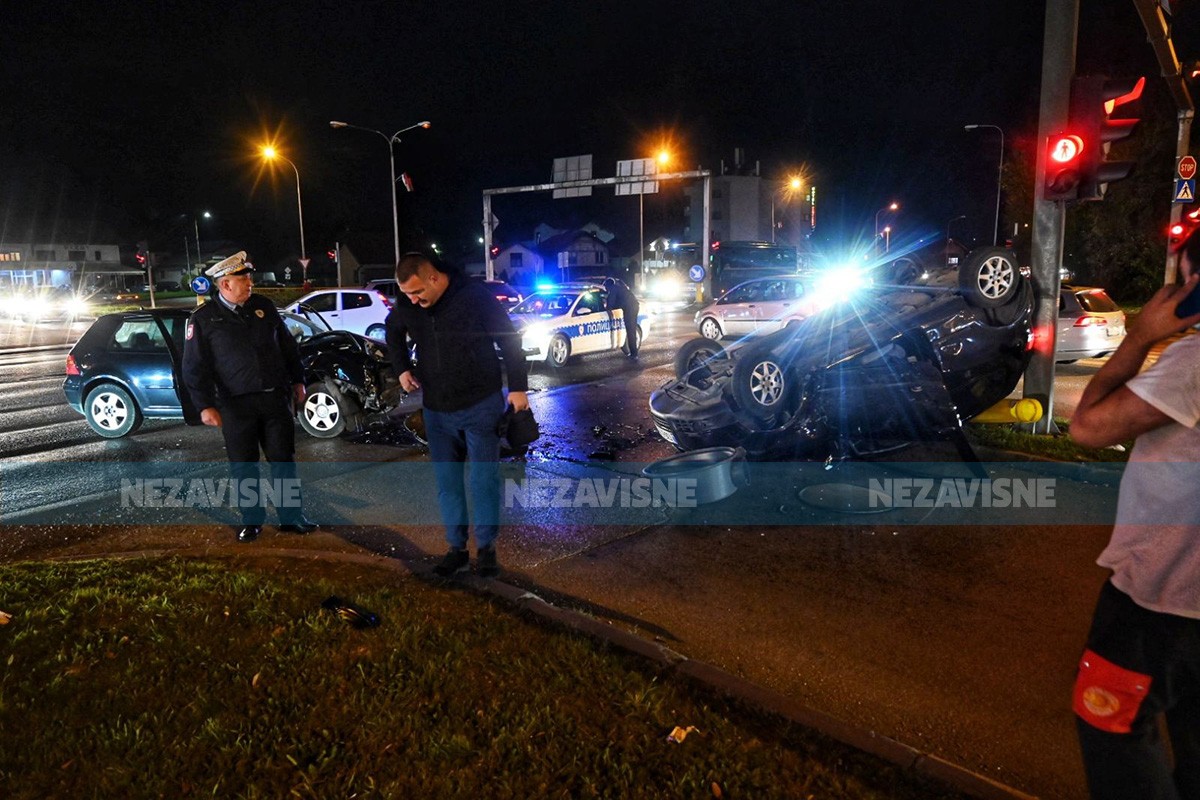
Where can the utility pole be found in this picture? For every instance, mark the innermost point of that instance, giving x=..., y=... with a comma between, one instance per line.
x=1058, y=65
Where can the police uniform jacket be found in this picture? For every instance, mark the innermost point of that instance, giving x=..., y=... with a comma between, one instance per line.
x=227, y=353
x=457, y=338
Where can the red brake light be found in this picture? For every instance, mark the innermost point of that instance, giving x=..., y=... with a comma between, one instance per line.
x=72, y=367
x=1090, y=322
x=387, y=303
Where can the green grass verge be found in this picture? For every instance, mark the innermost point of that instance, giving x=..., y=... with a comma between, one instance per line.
x=1059, y=447
x=176, y=678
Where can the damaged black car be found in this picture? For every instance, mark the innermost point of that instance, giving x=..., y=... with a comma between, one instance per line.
x=881, y=367
x=126, y=369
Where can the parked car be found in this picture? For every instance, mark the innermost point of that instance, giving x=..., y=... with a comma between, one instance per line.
x=873, y=373
x=126, y=368
x=360, y=311
x=760, y=305
x=570, y=320
x=507, y=295
x=386, y=287
x=1090, y=324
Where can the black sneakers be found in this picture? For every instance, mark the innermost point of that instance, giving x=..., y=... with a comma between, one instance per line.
x=485, y=562
x=454, y=562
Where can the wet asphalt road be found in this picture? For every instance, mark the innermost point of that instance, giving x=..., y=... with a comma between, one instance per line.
x=958, y=639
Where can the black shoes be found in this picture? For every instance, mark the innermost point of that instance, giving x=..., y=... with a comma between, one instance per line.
x=248, y=533
x=300, y=526
x=485, y=562
x=454, y=562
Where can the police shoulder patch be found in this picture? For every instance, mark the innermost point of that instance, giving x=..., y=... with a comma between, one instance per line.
x=258, y=312
x=188, y=335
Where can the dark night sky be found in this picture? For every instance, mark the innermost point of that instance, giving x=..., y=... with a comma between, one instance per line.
x=126, y=115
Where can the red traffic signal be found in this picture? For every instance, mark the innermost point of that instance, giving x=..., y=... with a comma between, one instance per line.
x=1064, y=164
x=1094, y=99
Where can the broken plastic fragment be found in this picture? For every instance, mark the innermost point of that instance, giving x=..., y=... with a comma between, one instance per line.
x=678, y=734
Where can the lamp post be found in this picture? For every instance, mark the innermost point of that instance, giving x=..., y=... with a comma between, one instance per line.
x=887, y=238
x=893, y=206
x=270, y=153
x=999, y=177
x=196, y=225
x=391, y=140
x=794, y=183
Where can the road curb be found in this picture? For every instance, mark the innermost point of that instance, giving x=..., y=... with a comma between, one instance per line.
x=924, y=764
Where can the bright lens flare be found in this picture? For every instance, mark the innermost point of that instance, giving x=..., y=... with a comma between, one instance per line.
x=839, y=284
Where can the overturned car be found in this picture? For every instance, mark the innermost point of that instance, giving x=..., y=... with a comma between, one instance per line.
x=875, y=371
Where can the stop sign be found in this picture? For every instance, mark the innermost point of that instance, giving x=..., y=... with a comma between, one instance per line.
x=1187, y=167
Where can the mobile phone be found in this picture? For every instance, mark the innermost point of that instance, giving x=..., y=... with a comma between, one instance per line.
x=1189, y=305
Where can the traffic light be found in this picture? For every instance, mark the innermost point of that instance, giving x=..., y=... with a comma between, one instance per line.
x=332, y=256
x=1094, y=100
x=1064, y=166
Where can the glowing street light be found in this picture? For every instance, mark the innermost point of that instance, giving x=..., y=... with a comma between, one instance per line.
x=391, y=140
x=270, y=154
x=793, y=184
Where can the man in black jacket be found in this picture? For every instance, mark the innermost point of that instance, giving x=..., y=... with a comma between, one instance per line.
x=622, y=297
x=243, y=371
x=456, y=324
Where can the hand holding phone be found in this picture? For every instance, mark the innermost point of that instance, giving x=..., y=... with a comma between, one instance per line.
x=1189, y=305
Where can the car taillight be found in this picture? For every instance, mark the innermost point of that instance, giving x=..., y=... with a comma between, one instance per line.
x=386, y=302
x=72, y=367
x=1090, y=322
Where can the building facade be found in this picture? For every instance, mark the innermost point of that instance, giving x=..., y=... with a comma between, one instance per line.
x=74, y=264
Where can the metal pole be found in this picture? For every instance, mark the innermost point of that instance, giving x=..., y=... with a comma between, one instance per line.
x=187, y=252
x=199, y=261
x=395, y=214
x=300, y=213
x=641, y=239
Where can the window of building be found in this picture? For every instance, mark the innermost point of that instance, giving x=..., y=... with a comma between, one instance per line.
x=573, y=258
x=43, y=255
x=75, y=255
x=98, y=256
x=600, y=257
x=516, y=260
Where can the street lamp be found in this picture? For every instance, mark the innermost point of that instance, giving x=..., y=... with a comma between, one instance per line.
x=196, y=225
x=893, y=206
x=794, y=183
x=270, y=154
x=887, y=238
x=395, y=137
x=999, y=177
x=663, y=158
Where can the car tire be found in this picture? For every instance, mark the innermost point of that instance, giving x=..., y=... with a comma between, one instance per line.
x=111, y=411
x=762, y=384
x=559, y=351
x=327, y=413
x=990, y=277
x=697, y=353
x=376, y=331
x=711, y=329
x=904, y=272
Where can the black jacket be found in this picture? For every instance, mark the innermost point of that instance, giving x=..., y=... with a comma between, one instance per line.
x=227, y=353
x=456, y=340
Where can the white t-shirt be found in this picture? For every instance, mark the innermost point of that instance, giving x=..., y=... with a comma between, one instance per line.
x=1154, y=551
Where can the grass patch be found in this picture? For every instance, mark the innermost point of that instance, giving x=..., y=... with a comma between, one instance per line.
x=179, y=678
x=1059, y=447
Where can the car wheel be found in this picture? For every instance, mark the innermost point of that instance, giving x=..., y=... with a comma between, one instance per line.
x=905, y=272
x=559, y=352
x=697, y=353
x=111, y=411
x=761, y=383
x=327, y=412
x=376, y=331
x=990, y=277
x=710, y=329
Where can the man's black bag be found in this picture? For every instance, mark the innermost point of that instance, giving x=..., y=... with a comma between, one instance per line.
x=518, y=428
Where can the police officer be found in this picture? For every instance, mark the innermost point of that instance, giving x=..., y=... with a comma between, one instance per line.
x=242, y=369
x=622, y=297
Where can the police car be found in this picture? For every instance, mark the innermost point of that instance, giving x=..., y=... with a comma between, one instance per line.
x=568, y=320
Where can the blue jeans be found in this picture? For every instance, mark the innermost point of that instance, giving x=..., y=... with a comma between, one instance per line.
x=458, y=437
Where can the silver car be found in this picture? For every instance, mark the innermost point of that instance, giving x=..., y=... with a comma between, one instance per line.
x=1090, y=324
x=760, y=305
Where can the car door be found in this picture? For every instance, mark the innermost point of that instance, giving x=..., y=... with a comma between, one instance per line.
x=360, y=309
x=773, y=304
x=592, y=324
x=174, y=329
x=146, y=360
x=736, y=309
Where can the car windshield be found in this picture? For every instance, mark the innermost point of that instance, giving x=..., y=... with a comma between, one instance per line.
x=546, y=304
x=304, y=325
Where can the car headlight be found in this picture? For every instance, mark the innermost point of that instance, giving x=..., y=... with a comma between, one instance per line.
x=535, y=331
x=76, y=306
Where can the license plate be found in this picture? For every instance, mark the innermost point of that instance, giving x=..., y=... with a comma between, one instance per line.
x=1118, y=330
